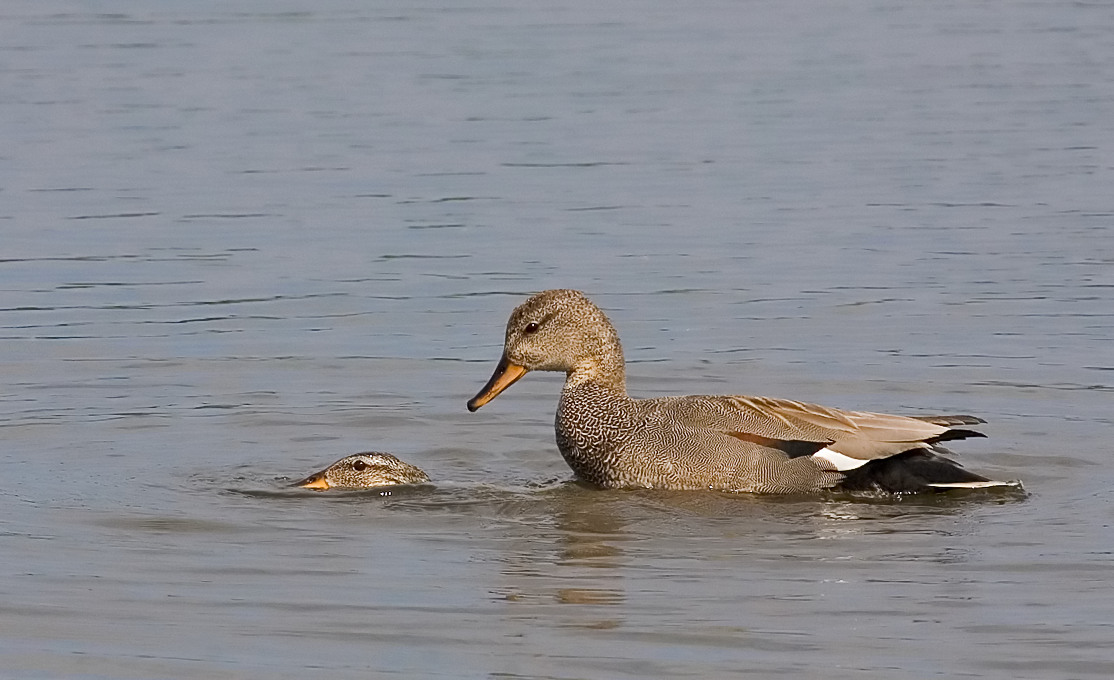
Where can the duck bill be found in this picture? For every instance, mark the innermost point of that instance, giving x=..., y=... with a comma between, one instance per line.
x=506, y=374
x=316, y=482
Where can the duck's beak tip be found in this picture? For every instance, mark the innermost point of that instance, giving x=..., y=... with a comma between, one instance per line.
x=315, y=482
x=505, y=375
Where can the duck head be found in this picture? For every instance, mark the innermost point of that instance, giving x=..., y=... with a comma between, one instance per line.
x=364, y=471
x=556, y=330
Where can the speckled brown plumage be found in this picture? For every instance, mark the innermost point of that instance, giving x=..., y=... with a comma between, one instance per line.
x=364, y=471
x=740, y=443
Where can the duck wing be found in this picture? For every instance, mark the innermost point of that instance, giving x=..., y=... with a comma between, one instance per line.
x=800, y=428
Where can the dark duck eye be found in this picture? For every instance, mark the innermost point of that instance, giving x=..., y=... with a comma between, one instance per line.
x=530, y=328
x=359, y=466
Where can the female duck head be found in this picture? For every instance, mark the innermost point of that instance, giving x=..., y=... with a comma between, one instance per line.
x=364, y=471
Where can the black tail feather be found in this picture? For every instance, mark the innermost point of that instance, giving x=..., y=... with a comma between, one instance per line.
x=912, y=471
x=954, y=434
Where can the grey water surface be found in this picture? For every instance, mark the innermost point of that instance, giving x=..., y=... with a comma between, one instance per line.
x=241, y=240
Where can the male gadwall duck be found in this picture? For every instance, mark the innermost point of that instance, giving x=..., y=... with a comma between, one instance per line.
x=737, y=443
x=364, y=471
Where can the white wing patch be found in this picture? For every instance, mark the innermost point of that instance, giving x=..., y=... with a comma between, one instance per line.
x=840, y=461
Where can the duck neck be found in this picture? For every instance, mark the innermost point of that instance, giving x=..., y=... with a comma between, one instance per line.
x=603, y=365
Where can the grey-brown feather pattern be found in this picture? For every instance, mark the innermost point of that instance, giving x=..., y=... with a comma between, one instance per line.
x=742, y=443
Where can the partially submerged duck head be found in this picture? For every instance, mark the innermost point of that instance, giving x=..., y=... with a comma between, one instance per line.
x=364, y=471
